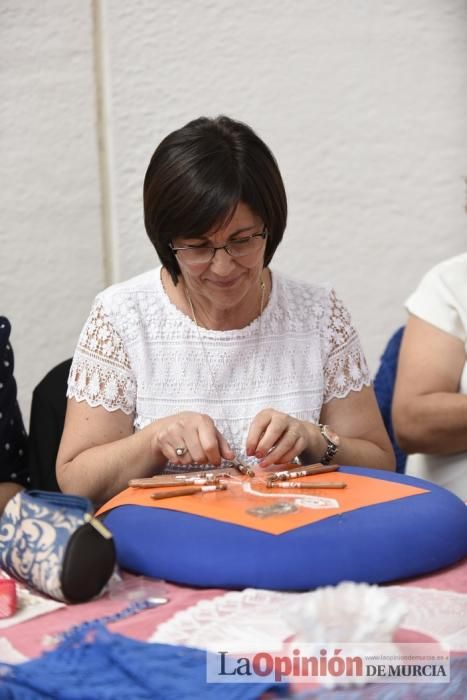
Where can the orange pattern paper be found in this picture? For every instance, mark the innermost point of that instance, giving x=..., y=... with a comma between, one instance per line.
x=231, y=506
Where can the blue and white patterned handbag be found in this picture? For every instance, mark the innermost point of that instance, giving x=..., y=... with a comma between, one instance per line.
x=51, y=542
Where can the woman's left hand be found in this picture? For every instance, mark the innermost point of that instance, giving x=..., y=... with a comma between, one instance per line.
x=277, y=438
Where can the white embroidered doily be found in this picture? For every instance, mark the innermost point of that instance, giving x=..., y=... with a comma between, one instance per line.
x=439, y=614
x=240, y=618
x=8, y=653
x=29, y=605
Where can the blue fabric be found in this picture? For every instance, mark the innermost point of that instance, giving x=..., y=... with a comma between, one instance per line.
x=383, y=542
x=384, y=389
x=110, y=666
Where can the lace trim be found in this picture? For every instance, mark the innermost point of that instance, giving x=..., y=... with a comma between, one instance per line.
x=346, y=368
x=101, y=372
x=210, y=624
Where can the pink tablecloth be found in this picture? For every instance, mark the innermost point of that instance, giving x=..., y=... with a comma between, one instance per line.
x=30, y=637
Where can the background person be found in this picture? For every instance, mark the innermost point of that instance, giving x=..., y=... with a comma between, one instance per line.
x=213, y=355
x=430, y=399
x=14, y=472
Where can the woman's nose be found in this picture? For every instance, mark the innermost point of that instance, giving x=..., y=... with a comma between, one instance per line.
x=222, y=262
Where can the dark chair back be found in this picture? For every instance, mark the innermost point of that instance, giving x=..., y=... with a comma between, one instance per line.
x=47, y=419
x=384, y=382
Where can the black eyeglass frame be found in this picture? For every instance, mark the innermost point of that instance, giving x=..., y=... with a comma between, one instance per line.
x=264, y=234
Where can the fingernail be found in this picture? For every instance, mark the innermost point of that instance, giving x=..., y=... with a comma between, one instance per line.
x=259, y=454
x=250, y=452
x=262, y=464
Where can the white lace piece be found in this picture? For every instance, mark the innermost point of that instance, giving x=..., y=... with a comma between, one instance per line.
x=101, y=372
x=439, y=614
x=29, y=605
x=238, y=619
x=312, y=502
x=8, y=653
x=346, y=369
x=138, y=353
x=233, y=620
x=349, y=612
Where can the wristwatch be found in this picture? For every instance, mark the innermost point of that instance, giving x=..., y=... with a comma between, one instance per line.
x=333, y=443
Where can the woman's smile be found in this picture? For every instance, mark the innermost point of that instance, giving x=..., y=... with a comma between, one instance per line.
x=224, y=283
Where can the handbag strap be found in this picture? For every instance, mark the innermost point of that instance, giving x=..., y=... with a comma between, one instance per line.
x=60, y=500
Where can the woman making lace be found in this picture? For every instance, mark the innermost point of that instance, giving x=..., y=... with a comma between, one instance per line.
x=213, y=356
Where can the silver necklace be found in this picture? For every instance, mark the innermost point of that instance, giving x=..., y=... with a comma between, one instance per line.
x=240, y=465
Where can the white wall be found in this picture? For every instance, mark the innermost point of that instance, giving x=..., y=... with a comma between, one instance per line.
x=50, y=228
x=363, y=104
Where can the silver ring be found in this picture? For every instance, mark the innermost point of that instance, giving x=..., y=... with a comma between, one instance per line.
x=180, y=451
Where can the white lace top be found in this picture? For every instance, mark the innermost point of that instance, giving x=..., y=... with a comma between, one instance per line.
x=140, y=354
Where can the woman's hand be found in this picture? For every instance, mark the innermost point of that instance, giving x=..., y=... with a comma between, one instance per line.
x=277, y=438
x=100, y=451
x=193, y=432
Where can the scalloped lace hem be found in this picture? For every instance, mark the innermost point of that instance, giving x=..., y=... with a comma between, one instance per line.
x=97, y=402
x=343, y=393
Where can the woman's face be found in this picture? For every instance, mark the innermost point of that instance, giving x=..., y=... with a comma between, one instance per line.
x=226, y=282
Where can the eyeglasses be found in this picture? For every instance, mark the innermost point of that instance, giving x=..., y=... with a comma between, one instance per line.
x=202, y=254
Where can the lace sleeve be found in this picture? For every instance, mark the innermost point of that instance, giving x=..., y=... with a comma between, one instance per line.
x=100, y=372
x=345, y=367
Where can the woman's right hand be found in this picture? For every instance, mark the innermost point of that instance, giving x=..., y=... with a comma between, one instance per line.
x=100, y=450
x=194, y=432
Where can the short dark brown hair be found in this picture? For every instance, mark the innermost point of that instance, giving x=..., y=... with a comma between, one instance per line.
x=197, y=176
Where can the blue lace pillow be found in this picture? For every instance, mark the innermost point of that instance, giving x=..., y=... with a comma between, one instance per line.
x=374, y=544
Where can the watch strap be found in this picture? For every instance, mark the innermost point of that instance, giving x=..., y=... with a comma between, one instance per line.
x=331, y=447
